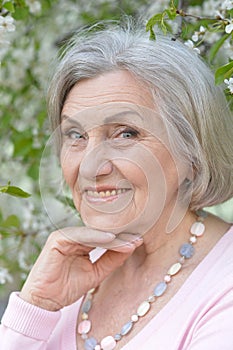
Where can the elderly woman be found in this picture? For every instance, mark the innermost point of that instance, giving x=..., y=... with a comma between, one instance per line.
x=145, y=142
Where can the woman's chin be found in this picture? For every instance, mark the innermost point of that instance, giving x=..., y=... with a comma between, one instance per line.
x=102, y=223
x=115, y=225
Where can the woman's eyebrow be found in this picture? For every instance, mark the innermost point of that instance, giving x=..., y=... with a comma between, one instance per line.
x=65, y=118
x=122, y=116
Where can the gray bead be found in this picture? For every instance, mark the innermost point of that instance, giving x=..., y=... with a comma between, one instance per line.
x=202, y=213
x=117, y=337
x=160, y=289
x=126, y=328
x=90, y=343
x=187, y=250
x=86, y=306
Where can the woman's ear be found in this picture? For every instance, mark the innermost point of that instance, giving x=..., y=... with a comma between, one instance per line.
x=183, y=199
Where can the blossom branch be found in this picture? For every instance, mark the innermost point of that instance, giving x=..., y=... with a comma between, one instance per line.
x=183, y=14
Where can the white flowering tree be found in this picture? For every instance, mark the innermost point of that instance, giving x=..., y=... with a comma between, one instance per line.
x=31, y=33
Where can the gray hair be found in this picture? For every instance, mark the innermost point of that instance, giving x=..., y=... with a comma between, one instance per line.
x=197, y=117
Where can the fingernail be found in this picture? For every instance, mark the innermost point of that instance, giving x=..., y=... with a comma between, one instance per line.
x=126, y=247
x=110, y=235
x=138, y=239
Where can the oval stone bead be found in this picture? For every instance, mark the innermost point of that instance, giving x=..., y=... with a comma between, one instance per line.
x=160, y=289
x=143, y=308
x=86, y=306
x=126, y=328
x=174, y=269
x=187, y=250
x=108, y=343
x=197, y=229
x=84, y=326
x=202, y=213
x=90, y=343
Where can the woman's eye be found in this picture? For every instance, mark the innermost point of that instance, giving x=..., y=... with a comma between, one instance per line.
x=128, y=133
x=73, y=135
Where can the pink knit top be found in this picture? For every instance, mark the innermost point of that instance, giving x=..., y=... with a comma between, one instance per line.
x=198, y=317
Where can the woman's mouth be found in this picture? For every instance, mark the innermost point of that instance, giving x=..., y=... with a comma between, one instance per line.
x=104, y=195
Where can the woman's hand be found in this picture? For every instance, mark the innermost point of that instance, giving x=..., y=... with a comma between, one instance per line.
x=63, y=272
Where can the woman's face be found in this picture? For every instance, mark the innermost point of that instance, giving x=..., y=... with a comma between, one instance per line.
x=115, y=156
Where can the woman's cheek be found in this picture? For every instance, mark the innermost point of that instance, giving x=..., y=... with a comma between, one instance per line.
x=70, y=167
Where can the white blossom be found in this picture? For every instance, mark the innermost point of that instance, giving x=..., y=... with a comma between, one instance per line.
x=7, y=24
x=5, y=276
x=220, y=15
x=202, y=30
x=229, y=27
x=195, y=36
x=229, y=84
x=34, y=6
x=227, y=5
x=191, y=46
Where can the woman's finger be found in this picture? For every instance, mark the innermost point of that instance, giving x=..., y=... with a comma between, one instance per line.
x=85, y=235
x=122, y=242
x=94, y=238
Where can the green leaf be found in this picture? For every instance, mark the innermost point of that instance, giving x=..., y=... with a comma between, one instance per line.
x=171, y=14
x=14, y=191
x=11, y=221
x=9, y=6
x=163, y=27
x=153, y=21
x=230, y=12
x=3, y=189
x=21, y=13
x=174, y=3
x=22, y=145
x=216, y=46
x=33, y=171
x=152, y=34
x=223, y=72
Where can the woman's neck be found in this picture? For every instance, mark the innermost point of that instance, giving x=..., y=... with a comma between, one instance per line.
x=158, y=251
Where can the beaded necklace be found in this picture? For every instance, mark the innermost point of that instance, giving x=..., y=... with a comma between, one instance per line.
x=109, y=342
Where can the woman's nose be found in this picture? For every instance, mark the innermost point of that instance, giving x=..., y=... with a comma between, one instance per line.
x=96, y=162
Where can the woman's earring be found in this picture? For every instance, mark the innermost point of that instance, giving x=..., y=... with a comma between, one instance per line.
x=187, y=182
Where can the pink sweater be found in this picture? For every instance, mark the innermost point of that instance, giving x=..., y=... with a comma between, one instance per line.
x=198, y=317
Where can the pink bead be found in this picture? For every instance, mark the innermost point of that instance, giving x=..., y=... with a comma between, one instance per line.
x=167, y=278
x=193, y=239
x=108, y=343
x=84, y=326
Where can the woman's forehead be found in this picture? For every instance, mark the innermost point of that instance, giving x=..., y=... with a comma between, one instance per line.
x=117, y=86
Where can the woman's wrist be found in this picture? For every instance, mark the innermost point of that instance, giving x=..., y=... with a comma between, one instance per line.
x=42, y=303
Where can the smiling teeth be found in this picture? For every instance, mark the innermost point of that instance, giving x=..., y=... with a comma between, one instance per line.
x=103, y=194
